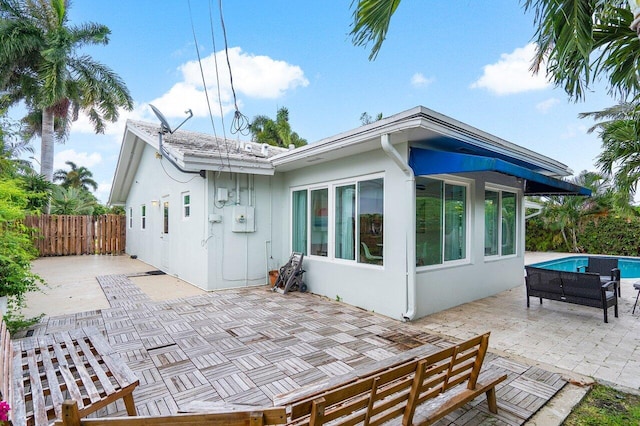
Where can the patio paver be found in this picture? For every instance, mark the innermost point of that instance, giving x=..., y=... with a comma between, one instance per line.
x=247, y=345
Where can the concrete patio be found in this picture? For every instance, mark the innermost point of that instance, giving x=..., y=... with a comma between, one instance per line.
x=248, y=345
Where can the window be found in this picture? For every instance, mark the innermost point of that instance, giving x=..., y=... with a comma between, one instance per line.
x=345, y=222
x=350, y=213
x=143, y=217
x=441, y=221
x=299, y=215
x=319, y=221
x=165, y=217
x=500, y=214
x=186, y=205
x=130, y=217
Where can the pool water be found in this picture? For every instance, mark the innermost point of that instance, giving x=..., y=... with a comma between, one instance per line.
x=629, y=267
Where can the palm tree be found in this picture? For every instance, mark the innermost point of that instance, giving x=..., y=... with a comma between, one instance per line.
x=77, y=177
x=277, y=133
x=39, y=64
x=73, y=201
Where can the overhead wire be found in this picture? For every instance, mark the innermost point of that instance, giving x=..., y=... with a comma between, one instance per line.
x=240, y=123
x=204, y=84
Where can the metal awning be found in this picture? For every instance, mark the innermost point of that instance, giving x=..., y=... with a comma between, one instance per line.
x=427, y=162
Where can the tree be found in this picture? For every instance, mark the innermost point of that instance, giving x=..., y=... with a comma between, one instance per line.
x=579, y=41
x=365, y=118
x=39, y=65
x=277, y=133
x=73, y=201
x=77, y=177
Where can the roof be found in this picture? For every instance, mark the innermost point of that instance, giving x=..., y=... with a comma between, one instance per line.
x=190, y=152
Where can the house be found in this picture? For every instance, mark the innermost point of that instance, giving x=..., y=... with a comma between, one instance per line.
x=405, y=216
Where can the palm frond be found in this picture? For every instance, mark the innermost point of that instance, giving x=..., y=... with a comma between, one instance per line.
x=371, y=20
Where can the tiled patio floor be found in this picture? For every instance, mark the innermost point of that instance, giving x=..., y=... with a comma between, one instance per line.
x=247, y=345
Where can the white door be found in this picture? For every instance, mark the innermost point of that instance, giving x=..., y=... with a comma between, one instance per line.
x=165, y=243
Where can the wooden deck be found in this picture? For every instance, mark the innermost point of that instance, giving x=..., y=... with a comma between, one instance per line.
x=247, y=345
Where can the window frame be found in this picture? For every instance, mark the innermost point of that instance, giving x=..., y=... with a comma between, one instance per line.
x=143, y=217
x=130, y=217
x=501, y=190
x=469, y=214
x=186, y=207
x=331, y=187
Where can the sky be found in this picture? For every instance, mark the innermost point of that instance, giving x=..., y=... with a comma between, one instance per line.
x=469, y=62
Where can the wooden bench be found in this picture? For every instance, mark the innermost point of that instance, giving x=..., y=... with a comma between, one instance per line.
x=420, y=391
x=38, y=374
x=579, y=288
x=228, y=415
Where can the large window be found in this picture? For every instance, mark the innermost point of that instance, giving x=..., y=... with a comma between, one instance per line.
x=441, y=221
x=500, y=214
x=342, y=221
x=319, y=221
x=299, y=215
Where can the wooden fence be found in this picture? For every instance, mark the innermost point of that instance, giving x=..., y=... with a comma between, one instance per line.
x=64, y=235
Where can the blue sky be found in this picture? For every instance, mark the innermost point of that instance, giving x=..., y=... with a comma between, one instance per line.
x=469, y=62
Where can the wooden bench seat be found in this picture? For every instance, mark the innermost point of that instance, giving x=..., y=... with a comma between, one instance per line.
x=432, y=387
x=38, y=374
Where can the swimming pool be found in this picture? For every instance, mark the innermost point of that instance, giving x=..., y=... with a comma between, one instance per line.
x=629, y=267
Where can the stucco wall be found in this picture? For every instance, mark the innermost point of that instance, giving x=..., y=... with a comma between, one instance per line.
x=377, y=288
x=179, y=253
x=442, y=287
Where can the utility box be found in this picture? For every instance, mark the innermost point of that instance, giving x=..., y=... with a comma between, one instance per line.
x=243, y=219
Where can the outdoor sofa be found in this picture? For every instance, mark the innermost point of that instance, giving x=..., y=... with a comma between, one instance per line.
x=578, y=288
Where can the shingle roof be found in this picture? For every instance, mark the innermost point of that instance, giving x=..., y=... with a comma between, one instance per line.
x=186, y=144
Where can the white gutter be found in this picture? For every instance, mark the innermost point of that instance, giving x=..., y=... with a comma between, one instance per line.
x=410, y=227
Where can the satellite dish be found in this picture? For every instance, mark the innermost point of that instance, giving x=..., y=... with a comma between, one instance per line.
x=164, y=124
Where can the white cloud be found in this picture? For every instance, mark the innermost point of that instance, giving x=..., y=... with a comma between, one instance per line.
x=102, y=193
x=419, y=80
x=545, y=106
x=82, y=159
x=574, y=130
x=511, y=74
x=254, y=76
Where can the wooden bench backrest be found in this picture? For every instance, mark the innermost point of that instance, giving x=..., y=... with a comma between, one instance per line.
x=6, y=355
x=262, y=416
x=396, y=392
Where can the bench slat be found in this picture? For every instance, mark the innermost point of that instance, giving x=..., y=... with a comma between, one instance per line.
x=86, y=379
x=105, y=382
x=70, y=384
x=52, y=379
x=18, y=410
x=37, y=395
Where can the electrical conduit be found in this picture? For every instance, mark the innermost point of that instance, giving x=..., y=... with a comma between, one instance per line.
x=410, y=227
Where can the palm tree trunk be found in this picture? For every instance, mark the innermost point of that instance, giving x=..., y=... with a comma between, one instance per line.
x=46, y=147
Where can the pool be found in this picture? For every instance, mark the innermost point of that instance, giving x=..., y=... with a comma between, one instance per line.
x=629, y=267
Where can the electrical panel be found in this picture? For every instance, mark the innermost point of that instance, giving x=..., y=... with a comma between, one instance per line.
x=243, y=219
x=222, y=195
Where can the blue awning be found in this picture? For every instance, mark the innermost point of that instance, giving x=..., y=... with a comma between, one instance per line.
x=427, y=162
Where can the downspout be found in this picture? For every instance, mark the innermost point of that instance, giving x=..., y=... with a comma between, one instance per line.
x=410, y=228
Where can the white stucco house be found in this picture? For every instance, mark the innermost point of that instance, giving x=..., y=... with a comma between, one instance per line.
x=406, y=216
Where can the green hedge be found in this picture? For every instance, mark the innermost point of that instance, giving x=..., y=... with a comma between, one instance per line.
x=603, y=235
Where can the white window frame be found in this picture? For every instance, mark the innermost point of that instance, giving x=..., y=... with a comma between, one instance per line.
x=143, y=217
x=185, y=206
x=130, y=217
x=468, y=184
x=500, y=190
x=331, y=187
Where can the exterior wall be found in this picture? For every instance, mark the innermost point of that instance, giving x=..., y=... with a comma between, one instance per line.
x=442, y=287
x=238, y=259
x=377, y=288
x=179, y=252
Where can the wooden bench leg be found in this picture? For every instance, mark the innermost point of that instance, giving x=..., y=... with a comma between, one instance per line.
x=491, y=400
x=131, y=406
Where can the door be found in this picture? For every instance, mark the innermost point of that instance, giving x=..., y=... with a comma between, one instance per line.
x=165, y=240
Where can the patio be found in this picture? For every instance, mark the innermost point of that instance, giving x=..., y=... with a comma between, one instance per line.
x=245, y=346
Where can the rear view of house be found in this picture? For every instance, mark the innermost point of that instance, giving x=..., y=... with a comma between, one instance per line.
x=406, y=216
